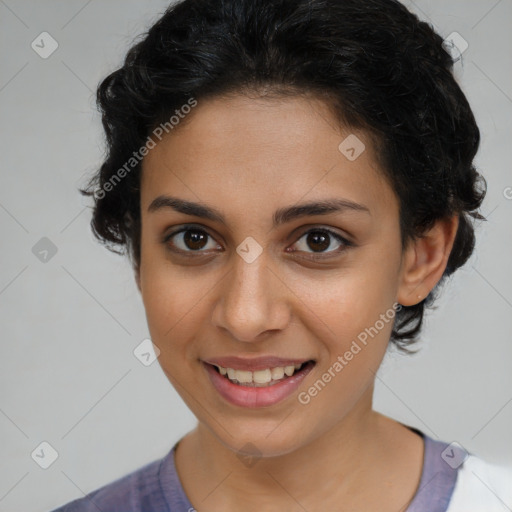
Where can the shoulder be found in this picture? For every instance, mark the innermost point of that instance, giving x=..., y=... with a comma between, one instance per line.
x=134, y=492
x=482, y=486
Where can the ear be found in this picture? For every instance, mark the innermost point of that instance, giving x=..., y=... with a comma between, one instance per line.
x=425, y=260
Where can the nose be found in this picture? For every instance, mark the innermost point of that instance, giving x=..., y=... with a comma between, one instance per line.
x=252, y=301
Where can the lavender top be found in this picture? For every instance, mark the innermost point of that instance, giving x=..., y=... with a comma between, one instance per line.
x=156, y=487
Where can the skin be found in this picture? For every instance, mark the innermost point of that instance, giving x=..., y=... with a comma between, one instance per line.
x=248, y=157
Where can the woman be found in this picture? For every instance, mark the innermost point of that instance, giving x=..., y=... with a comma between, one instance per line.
x=293, y=181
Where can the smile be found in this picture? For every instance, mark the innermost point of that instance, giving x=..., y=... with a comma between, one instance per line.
x=259, y=378
x=266, y=384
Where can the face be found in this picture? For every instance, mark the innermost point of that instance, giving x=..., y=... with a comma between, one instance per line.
x=235, y=275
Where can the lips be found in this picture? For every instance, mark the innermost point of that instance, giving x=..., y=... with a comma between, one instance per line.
x=257, y=382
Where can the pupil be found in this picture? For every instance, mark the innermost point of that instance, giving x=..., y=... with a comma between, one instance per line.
x=194, y=239
x=318, y=237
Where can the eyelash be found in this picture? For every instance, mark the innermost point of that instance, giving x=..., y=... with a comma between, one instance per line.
x=312, y=256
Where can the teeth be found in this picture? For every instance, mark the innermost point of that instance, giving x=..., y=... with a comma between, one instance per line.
x=259, y=377
x=289, y=370
x=262, y=376
x=244, y=377
x=277, y=373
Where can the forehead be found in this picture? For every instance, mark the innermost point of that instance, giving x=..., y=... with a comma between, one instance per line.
x=244, y=154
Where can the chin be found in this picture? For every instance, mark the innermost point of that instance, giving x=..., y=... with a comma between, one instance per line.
x=259, y=441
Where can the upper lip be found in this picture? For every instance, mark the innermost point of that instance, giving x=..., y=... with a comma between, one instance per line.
x=253, y=363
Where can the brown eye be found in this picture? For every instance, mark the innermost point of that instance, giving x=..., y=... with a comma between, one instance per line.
x=194, y=239
x=319, y=240
x=189, y=239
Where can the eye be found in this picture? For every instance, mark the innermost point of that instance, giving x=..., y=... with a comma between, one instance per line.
x=192, y=239
x=189, y=239
x=320, y=239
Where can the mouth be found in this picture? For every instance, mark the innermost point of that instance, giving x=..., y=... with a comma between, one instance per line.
x=268, y=382
x=264, y=377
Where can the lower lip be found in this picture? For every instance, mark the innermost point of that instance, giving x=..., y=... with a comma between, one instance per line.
x=253, y=397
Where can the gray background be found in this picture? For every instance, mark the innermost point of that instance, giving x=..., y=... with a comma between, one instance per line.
x=69, y=325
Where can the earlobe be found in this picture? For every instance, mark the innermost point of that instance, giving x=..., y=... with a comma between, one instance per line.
x=425, y=260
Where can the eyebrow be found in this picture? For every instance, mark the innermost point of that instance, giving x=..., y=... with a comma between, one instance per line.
x=281, y=216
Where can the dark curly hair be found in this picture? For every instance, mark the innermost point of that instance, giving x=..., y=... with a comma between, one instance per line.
x=377, y=65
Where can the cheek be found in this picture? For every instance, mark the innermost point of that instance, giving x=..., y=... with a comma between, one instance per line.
x=352, y=315
x=345, y=303
x=177, y=305
x=170, y=300
x=354, y=326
